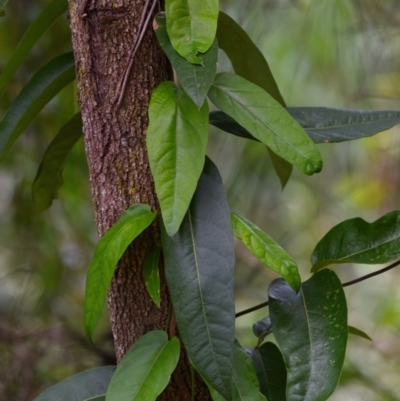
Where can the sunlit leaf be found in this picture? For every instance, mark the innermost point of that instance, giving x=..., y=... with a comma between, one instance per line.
x=246, y=58
x=266, y=250
x=271, y=371
x=49, y=176
x=191, y=26
x=88, y=385
x=262, y=326
x=359, y=333
x=357, y=241
x=254, y=109
x=151, y=275
x=326, y=125
x=310, y=328
x=249, y=63
x=195, y=79
x=176, y=141
x=108, y=251
x=145, y=370
x=38, y=27
x=43, y=86
x=199, y=261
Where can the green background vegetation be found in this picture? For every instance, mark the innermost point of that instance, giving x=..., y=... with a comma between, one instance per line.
x=336, y=53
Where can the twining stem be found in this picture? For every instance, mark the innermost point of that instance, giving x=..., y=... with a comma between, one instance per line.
x=355, y=281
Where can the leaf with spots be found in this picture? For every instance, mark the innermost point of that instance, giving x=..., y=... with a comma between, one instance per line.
x=311, y=330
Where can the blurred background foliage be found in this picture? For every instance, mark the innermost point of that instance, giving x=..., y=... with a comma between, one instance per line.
x=336, y=53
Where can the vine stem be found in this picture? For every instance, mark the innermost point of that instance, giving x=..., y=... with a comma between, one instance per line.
x=355, y=281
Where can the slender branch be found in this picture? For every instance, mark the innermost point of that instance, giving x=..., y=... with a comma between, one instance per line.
x=362, y=278
x=355, y=281
x=143, y=24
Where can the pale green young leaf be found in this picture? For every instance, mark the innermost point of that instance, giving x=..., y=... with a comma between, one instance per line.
x=35, y=31
x=42, y=87
x=266, y=250
x=255, y=110
x=49, y=176
x=176, y=142
x=145, y=370
x=151, y=274
x=107, y=253
x=191, y=26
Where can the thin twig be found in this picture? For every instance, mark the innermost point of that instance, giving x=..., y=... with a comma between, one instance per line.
x=143, y=24
x=355, y=281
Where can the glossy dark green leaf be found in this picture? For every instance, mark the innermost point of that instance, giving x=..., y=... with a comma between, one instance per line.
x=176, y=141
x=151, y=275
x=49, y=176
x=310, y=328
x=262, y=326
x=195, y=79
x=43, y=86
x=199, y=262
x=249, y=63
x=247, y=60
x=323, y=125
x=245, y=384
x=84, y=386
x=357, y=241
x=191, y=26
x=266, y=250
x=326, y=125
x=359, y=333
x=271, y=371
x=254, y=109
x=38, y=27
x=145, y=370
x=107, y=253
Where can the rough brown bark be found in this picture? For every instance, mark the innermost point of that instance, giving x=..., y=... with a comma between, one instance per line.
x=117, y=157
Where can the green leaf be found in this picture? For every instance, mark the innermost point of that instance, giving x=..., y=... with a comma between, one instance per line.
x=357, y=241
x=38, y=27
x=195, y=79
x=271, y=371
x=80, y=387
x=151, y=275
x=359, y=333
x=244, y=380
x=262, y=326
x=2, y=5
x=108, y=251
x=323, y=125
x=246, y=58
x=265, y=119
x=326, y=125
x=199, y=262
x=191, y=26
x=43, y=86
x=310, y=328
x=249, y=63
x=266, y=250
x=145, y=370
x=49, y=176
x=176, y=142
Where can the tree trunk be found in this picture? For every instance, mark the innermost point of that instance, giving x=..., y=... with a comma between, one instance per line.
x=115, y=141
